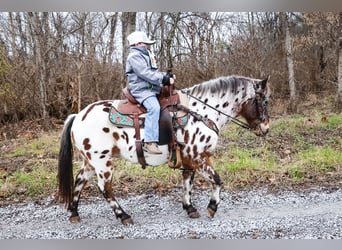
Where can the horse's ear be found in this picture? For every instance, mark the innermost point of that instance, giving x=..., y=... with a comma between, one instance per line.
x=263, y=83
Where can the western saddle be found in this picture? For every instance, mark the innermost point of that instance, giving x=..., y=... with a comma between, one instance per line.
x=169, y=102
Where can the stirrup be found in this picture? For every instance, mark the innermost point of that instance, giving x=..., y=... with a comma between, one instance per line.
x=175, y=160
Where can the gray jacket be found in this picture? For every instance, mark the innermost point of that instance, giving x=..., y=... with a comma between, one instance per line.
x=144, y=81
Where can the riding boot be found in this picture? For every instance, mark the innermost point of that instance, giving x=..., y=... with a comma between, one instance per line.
x=152, y=148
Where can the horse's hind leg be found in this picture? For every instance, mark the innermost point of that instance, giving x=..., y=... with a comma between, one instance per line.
x=188, y=181
x=85, y=173
x=105, y=185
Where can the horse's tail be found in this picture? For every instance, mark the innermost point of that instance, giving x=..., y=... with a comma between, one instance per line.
x=65, y=169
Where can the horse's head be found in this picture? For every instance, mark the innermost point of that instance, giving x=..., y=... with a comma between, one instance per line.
x=255, y=109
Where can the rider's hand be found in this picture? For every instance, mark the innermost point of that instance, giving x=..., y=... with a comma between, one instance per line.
x=166, y=80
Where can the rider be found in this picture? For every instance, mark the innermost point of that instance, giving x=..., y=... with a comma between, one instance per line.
x=145, y=83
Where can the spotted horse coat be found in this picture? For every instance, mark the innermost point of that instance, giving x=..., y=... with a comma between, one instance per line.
x=100, y=142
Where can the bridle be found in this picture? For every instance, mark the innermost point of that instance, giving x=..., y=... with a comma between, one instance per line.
x=261, y=106
x=261, y=109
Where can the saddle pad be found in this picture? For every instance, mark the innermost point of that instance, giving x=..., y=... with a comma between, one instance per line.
x=180, y=122
x=120, y=119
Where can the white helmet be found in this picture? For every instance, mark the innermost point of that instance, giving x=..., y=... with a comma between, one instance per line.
x=139, y=37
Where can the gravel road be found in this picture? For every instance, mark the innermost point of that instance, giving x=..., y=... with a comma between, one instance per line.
x=314, y=214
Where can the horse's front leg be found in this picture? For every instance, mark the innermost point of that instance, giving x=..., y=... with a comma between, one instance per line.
x=188, y=181
x=209, y=173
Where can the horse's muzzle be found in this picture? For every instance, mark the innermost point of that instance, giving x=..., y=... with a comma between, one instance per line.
x=262, y=129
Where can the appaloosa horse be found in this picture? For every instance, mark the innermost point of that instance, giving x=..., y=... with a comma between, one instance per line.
x=211, y=105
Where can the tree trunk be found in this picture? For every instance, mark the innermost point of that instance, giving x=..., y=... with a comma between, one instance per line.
x=169, y=40
x=290, y=67
x=36, y=33
x=113, y=24
x=128, y=21
x=339, y=100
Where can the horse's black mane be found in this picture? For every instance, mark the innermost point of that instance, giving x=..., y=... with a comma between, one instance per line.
x=221, y=85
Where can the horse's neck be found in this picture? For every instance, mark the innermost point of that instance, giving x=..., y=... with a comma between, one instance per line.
x=219, y=106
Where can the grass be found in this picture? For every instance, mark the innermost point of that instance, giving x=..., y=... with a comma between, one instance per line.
x=298, y=150
x=33, y=167
x=46, y=144
x=322, y=159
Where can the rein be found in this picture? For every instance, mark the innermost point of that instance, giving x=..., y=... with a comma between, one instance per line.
x=233, y=119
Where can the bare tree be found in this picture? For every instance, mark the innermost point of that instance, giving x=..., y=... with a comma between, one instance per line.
x=290, y=64
x=128, y=21
x=38, y=24
x=113, y=25
x=339, y=101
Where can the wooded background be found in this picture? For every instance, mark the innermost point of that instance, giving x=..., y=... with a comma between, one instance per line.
x=54, y=63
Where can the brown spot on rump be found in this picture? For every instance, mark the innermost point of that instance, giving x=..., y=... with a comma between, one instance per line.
x=109, y=163
x=86, y=144
x=107, y=175
x=104, y=103
x=105, y=152
x=116, y=136
x=115, y=151
x=202, y=138
x=88, y=155
x=107, y=104
x=125, y=136
x=106, y=130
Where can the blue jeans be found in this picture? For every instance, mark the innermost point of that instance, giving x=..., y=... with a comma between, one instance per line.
x=152, y=119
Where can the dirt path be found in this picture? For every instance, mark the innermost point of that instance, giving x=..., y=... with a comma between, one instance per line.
x=253, y=214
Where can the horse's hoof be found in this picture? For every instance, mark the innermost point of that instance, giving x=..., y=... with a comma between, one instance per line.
x=75, y=219
x=127, y=221
x=194, y=215
x=211, y=212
